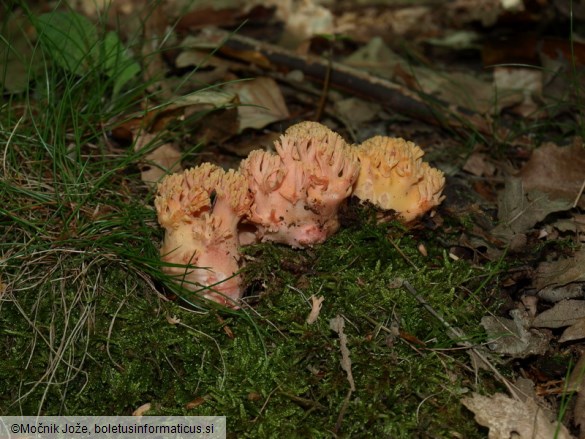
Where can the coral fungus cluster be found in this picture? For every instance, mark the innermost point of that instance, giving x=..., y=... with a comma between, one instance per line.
x=297, y=192
x=292, y=197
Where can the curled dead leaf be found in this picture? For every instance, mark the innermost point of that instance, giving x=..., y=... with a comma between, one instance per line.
x=173, y=320
x=195, y=403
x=317, y=302
x=261, y=102
x=142, y=409
x=513, y=337
x=557, y=171
x=561, y=272
x=160, y=161
x=564, y=313
x=507, y=418
x=574, y=332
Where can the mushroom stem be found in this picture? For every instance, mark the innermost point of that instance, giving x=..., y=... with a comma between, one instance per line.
x=200, y=210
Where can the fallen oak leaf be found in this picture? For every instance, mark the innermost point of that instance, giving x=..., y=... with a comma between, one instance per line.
x=564, y=313
x=556, y=293
x=513, y=337
x=556, y=171
x=519, y=89
x=519, y=211
x=574, y=332
x=561, y=272
x=162, y=160
x=507, y=418
x=261, y=102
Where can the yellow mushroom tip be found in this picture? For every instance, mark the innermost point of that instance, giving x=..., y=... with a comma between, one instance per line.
x=394, y=177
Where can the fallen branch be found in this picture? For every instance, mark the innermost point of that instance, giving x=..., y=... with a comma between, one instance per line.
x=390, y=95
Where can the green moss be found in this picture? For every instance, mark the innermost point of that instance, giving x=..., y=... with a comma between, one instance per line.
x=277, y=374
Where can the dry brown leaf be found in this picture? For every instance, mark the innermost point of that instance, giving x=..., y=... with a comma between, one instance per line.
x=205, y=100
x=457, y=88
x=561, y=272
x=466, y=11
x=376, y=57
x=574, y=332
x=575, y=224
x=507, y=418
x=302, y=20
x=565, y=313
x=519, y=89
x=369, y=22
x=478, y=164
x=194, y=58
x=557, y=293
x=173, y=320
x=577, y=384
x=513, y=337
x=261, y=102
x=206, y=69
x=157, y=163
x=556, y=171
x=317, y=303
x=355, y=111
x=519, y=211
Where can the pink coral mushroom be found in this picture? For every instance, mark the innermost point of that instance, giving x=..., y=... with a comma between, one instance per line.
x=297, y=193
x=200, y=210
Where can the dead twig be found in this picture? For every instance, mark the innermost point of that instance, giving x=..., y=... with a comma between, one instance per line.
x=304, y=402
x=325, y=91
x=579, y=194
x=392, y=96
x=342, y=412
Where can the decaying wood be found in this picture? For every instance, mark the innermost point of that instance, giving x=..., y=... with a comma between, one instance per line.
x=394, y=97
